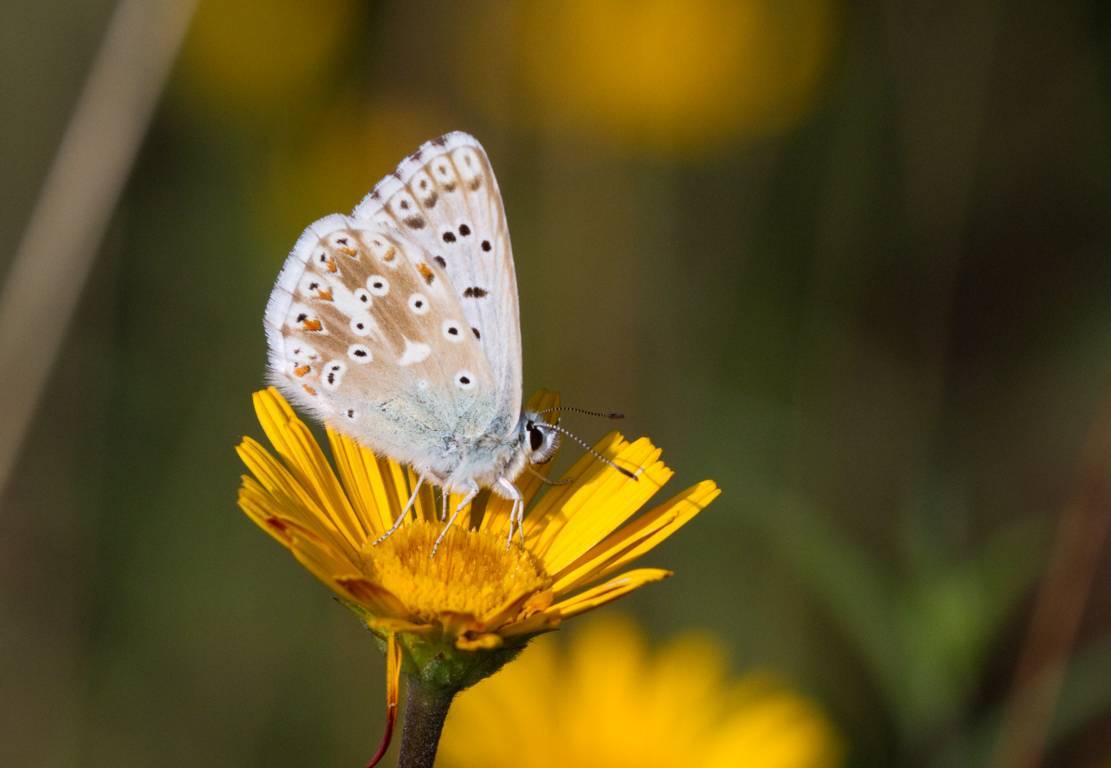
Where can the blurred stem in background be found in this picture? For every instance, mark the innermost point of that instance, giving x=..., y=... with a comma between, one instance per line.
x=77, y=200
x=1081, y=531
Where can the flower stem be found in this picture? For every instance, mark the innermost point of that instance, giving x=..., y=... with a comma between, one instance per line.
x=426, y=708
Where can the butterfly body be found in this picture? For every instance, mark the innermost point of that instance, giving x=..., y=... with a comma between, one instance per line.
x=399, y=325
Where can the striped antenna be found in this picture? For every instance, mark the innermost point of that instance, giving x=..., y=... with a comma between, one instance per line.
x=586, y=447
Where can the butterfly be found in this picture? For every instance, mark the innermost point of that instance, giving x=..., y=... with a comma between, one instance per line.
x=399, y=326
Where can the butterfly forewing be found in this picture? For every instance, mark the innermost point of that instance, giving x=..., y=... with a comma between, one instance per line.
x=445, y=198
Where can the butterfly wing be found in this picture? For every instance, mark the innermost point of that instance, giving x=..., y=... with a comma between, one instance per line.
x=445, y=198
x=366, y=331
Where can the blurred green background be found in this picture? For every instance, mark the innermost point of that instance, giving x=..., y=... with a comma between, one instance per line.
x=848, y=259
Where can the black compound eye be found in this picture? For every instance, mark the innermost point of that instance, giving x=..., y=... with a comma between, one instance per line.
x=535, y=438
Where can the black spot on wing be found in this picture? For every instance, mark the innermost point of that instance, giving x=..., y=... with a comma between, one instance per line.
x=474, y=292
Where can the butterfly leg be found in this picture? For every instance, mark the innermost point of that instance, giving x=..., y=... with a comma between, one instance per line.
x=472, y=491
x=401, y=518
x=516, y=512
x=445, y=499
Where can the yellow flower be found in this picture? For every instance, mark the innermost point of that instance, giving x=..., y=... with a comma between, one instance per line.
x=604, y=699
x=475, y=593
x=252, y=60
x=665, y=77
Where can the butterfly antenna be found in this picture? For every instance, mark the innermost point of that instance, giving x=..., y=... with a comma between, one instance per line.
x=584, y=411
x=586, y=447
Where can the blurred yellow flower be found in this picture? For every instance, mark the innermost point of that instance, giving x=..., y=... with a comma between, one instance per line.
x=603, y=699
x=251, y=58
x=475, y=593
x=662, y=76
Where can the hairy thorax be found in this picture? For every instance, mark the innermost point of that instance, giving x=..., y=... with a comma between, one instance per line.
x=485, y=460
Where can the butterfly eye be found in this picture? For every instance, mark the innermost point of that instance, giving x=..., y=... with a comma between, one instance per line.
x=418, y=304
x=535, y=438
x=452, y=331
x=378, y=285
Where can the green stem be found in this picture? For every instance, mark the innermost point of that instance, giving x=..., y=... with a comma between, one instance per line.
x=426, y=708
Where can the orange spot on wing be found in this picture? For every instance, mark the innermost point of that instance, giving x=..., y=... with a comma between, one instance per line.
x=331, y=264
x=346, y=249
x=426, y=273
x=309, y=389
x=324, y=294
x=312, y=325
x=301, y=370
x=390, y=255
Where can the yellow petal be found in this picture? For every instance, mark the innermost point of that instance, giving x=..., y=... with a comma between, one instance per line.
x=539, y=622
x=638, y=537
x=546, y=517
x=602, y=501
x=276, y=505
x=606, y=592
x=388, y=625
x=393, y=687
x=357, y=482
x=306, y=462
x=345, y=579
x=779, y=729
x=251, y=504
x=482, y=642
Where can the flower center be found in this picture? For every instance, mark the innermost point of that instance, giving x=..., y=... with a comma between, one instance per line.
x=472, y=572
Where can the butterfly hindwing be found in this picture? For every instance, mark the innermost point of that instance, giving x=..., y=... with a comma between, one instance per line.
x=445, y=198
x=366, y=330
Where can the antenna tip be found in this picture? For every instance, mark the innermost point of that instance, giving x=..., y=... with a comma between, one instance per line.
x=615, y=415
x=626, y=472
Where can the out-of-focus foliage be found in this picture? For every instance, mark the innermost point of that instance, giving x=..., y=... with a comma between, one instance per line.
x=849, y=259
